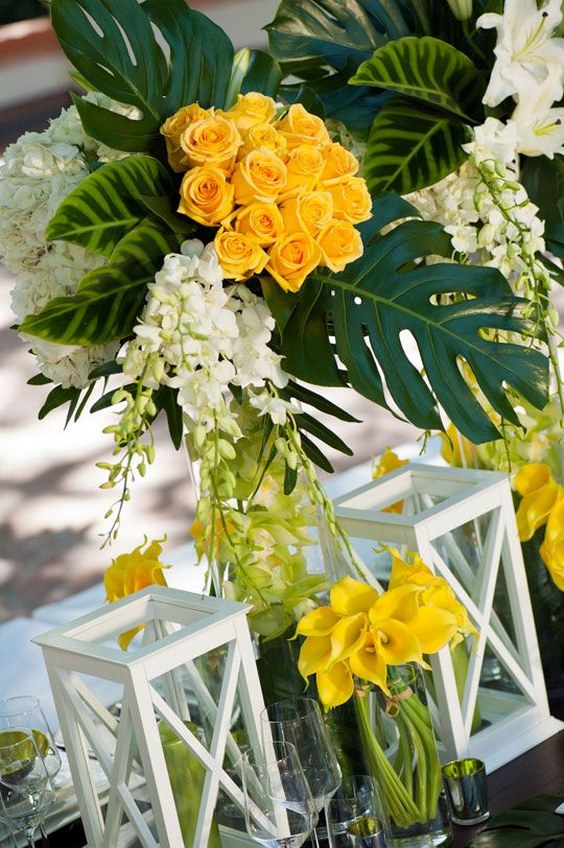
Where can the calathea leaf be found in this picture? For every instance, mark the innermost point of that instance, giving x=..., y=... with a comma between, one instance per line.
x=360, y=315
x=108, y=203
x=109, y=299
x=428, y=70
x=114, y=48
x=411, y=146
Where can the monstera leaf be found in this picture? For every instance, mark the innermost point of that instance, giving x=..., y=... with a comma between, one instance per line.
x=361, y=316
x=109, y=299
x=532, y=824
x=114, y=48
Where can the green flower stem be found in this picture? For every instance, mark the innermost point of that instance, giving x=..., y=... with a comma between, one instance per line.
x=400, y=804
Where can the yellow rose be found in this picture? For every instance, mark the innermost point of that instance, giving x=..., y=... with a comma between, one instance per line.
x=173, y=128
x=339, y=162
x=263, y=135
x=552, y=549
x=206, y=195
x=301, y=127
x=304, y=165
x=260, y=176
x=252, y=108
x=308, y=212
x=340, y=244
x=212, y=141
x=292, y=258
x=262, y=221
x=239, y=255
x=351, y=199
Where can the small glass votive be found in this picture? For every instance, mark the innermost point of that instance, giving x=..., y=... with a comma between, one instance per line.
x=466, y=790
x=356, y=816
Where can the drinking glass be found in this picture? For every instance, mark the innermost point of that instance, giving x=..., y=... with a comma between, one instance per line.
x=300, y=722
x=279, y=808
x=356, y=816
x=24, y=712
x=26, y=792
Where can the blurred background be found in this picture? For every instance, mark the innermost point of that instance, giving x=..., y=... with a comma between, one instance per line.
x=51, y=507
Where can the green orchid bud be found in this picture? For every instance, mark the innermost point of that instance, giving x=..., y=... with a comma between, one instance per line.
x=461, y=9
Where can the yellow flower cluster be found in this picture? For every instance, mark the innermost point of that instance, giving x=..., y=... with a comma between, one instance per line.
x=361, y=632
x=284, y=196
x=542, y=502
x=389, y=461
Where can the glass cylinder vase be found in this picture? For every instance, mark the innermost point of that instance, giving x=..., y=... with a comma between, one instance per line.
x=399, y=743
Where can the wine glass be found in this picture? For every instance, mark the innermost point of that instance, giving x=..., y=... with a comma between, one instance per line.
x=279, y=808
x=24, y=712
x=300, y=722
x=26, y=792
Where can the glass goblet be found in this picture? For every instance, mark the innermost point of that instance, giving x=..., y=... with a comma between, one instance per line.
x=26, y=793
x=24, y=712
x=300, y=722
x=279, y=808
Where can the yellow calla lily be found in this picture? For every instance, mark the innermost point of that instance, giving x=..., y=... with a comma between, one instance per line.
x=314, y=655
x=456, y=449
x=434, y=628
x=131, y=572
x=396, y=642
x=336, y=686
x=349, y=596
x=532, y=477
x=318, y=622
x=347, y=636
x=389, y=461
x=535, y=508
x=552, y=549
x=402, y=572
x=401, y=603
x=368, y=664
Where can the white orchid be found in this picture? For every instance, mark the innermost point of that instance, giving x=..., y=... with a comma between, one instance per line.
x=525, y=49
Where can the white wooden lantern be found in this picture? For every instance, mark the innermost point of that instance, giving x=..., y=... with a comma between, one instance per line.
x=159, y=680
x=462, y=524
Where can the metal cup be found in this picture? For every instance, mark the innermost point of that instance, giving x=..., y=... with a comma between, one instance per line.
x=467, y=791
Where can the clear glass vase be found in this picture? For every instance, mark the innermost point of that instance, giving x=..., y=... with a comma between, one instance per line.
x=399, y=742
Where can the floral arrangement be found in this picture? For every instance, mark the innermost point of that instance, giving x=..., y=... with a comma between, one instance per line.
x=208, y=241
x=359, y=640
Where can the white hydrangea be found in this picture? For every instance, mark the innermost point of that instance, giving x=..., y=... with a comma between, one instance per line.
x=37, y=172
x=199, y=337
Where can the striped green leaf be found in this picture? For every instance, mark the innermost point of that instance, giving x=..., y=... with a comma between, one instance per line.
x=411, y=146
x=367, y=309
x=156, y=56
x=107, y=204
x=109, y=299
x=428, y=70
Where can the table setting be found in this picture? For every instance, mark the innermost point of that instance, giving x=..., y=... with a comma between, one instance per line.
x=217, y=237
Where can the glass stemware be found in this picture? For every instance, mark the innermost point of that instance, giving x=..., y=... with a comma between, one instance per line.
x=24, y=712
x=356, y=816
x=26, y=792
x=279, y=808
x=300, y=722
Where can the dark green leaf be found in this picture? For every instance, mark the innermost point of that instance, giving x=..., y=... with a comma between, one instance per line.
x=317, y=457
x=320, y=431
x=387, y=292
x=428, y=70
x=115, y=50
x=290, y=479
x=165, y=208
x=411, y=146
x=39, y=380
x=166, y=399
x=263, y=74
x=532, y=824
x=109, y=299
x=107, y=204
x=58, y=397
x=107, y=369
x=544, y=180
x=323, y=404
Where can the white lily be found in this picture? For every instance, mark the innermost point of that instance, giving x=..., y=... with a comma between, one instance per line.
x=540, y=127
x=525, y=47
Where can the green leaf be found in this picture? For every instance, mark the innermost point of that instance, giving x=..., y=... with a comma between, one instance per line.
x=320, y=431
x=166, y=399
x=263, y=74
x=428, y=70
x=323, y=404
x=544, y=180
x=532, y=824
x=109, y=299
x=39, y=380
x=370, y=305
x=411, y=146
x=115, y=49
x=290, y=479
x=107, y=204
x=58, y=397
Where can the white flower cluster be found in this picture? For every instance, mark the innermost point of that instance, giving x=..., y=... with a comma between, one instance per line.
x=529, y=67
x=37, y=172
x=199, y=337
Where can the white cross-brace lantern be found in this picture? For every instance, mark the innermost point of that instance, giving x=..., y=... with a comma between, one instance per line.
x=160, y=681
x=462, y=524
